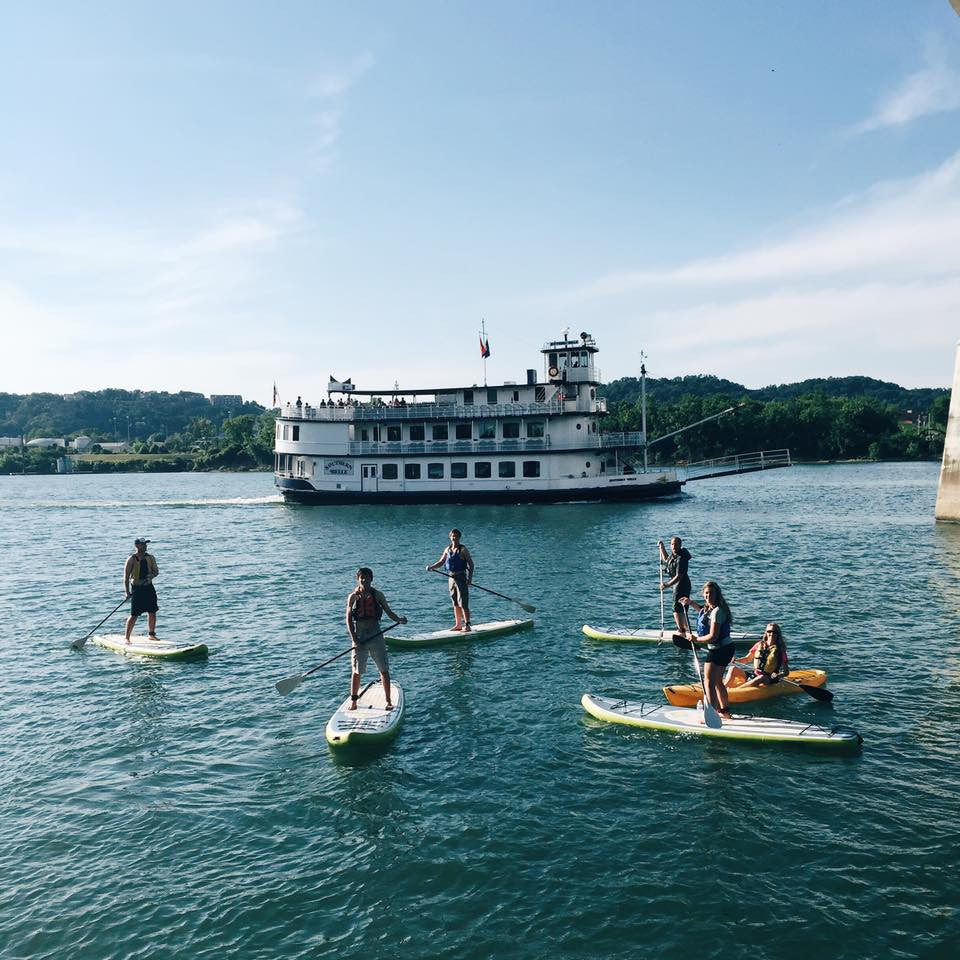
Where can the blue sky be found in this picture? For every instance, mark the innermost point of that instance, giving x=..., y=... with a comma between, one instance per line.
x=217, y=196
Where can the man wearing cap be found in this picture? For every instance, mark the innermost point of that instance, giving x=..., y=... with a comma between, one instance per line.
x=138, y=574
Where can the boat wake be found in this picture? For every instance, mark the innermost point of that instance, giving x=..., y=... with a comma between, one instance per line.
x=115, y=504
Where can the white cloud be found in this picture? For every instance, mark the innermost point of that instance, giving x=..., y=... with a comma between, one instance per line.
x=334, y=82
x=935, y=88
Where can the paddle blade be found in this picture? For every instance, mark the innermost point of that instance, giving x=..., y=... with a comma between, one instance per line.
x=682, y=642
x=78, y=644
x=710, y=717
x=529, y=607
x=818, y=693
x=289, y=685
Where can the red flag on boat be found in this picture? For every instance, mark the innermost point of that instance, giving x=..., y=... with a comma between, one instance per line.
x=484, y=347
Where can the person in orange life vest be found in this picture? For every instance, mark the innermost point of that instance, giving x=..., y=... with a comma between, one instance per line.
x=713, y=629
x=139, y=572
x=458, y=565
x=365, y=607
x=769, y=656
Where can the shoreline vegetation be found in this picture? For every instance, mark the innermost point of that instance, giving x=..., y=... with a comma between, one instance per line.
x=819, y=421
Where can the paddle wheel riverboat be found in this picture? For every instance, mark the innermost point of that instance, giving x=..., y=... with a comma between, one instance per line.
x=538, y=441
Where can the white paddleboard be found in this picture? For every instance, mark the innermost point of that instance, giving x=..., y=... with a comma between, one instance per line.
x=689, y=720
x=642, y=635
x=478, y=630
x=371, y=722
x=143, y=647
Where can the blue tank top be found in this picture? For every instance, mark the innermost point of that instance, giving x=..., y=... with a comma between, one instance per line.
x=455, y=562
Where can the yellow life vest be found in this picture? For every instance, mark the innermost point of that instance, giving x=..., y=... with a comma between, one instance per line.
x=152, y=568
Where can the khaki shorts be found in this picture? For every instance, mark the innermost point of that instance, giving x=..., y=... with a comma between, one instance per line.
x=376, y=648
x=459, y=592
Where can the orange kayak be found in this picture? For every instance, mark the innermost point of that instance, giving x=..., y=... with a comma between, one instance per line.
x=687, y=694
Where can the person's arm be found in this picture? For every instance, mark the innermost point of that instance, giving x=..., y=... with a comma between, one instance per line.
x=468, y=559
x=714, y=629
x=386, y=609
x=154, y=568
x=439, y=563
x=127, y=571
x=750, y=654
x=350, y=627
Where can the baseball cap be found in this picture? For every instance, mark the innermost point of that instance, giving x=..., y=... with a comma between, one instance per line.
x=143, y=540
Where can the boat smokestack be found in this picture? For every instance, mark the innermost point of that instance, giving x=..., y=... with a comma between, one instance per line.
x=948, y=492
x=531, y=378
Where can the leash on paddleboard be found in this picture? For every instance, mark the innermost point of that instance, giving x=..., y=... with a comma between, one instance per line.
x=289, y=684
x=79, y=644
x=529, y=607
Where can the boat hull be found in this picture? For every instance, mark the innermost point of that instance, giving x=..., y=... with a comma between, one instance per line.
x=300, y=491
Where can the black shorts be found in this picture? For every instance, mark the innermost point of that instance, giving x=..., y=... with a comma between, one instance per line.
x=681, y=592
x=722, y=655
x=143, y=600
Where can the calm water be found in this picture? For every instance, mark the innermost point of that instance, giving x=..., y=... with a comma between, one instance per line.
x=171, y=810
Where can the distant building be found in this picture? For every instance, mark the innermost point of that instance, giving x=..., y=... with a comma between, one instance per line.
x=82, y=444
x=9, y=441
x=226, y=400
x=47, y=442
x=121, y=447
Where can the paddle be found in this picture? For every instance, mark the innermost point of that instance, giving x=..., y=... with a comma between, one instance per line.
x=79, y=644
x=290, y=684
x=710, y=716
x=818, y=693
x=660, y=559
x=529, y=607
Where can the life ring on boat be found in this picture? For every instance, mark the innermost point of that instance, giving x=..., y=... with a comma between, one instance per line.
x=553, y=371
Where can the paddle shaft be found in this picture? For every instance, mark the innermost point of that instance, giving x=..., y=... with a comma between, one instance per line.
x=78, y=644
x=660, y=559
x=529, y=607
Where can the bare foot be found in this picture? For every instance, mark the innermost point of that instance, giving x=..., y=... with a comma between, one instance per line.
x=456, y=627
x=468, y=629
x=389, y=706
x=353, y=703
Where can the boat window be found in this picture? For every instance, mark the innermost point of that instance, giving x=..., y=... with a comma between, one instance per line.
x=389, y=471
x=593, y=394
x=540, y=394
x=439, y=431
x=416, y=431
x=458, y=471
x=296, y=432
x=481, y=469
x=516, y=396
x=506, y=469
x=534, y=428
x=393, y=433
x=463, y=431
x=553, y=360
x=286, y=432
x=278, y=431
x=435, y=471
x=531, y=468
x=411, y=471
x=487, y=430
x=511, y=429
x=467, y=398
x=491, y=395
x=584, y=358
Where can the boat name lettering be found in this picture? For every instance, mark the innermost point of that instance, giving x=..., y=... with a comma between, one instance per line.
x=338, y=468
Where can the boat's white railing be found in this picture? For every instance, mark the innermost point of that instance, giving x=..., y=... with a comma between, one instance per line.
x=422, y=411
x=737, y=463
x=630, y=439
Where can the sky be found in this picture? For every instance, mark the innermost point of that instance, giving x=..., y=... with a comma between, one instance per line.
x=221, y=196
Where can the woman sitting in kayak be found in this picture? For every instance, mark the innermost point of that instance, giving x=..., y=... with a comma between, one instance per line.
x=769, y=656
x=714, y=621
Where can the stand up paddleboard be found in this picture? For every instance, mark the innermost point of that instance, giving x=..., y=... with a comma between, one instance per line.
x=640, y=635
x=690, y=721
x=477, y=631
x=371, y=722
x=158, y=649
x=689, y=694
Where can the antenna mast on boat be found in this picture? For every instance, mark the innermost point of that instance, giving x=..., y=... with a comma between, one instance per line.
x=643, y=406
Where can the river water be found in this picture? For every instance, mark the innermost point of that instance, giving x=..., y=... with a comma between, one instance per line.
x=170, y=810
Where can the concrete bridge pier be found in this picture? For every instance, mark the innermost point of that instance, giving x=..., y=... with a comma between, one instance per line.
x=948, y=493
